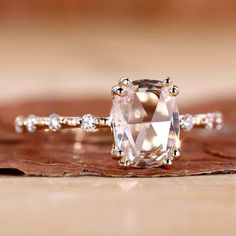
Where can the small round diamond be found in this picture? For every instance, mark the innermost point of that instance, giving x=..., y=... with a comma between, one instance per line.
x=54, y=122
x=209, y=121
x=19, y=123
x=187, y=122
x=30, y=124
x=219, y=120
x=88, y=123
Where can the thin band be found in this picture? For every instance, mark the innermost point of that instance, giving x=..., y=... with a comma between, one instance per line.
x=90, y=123
x=208, y=121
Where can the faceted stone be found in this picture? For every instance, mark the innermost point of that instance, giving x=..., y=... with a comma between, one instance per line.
x=54, y=122
x=219, y=120
x=31, y=127
x=146, y=120
x=18, y=128
x=209, y=121
x=19, y=122
x=187, y=122
x=88, y=123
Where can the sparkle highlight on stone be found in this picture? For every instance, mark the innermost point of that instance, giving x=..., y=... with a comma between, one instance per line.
x=19, y=124
x=54, y=122
x=187, y=122
x=30, y=124
x=88, y=123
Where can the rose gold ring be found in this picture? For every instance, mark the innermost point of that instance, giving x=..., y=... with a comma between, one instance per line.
x=144, y=120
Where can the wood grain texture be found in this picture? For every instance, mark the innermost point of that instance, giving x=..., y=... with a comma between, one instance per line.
x=203, y=205
x=75, y=154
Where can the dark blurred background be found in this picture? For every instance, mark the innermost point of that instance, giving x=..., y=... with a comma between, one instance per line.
x=64, y=48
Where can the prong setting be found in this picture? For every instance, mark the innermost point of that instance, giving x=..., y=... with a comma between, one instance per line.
x=174, y=90
x=125, y=81
x=117, y=154
x=175, y=153
x=125, y=162
x=167, y=82
x=119, y=91
x=167, y=163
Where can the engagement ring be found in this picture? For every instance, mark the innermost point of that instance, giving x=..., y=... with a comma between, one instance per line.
x=144, y=120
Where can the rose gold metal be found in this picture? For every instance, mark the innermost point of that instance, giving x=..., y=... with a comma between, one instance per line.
x=66, y=122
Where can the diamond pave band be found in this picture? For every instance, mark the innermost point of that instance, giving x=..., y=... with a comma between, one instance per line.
x=144, y=120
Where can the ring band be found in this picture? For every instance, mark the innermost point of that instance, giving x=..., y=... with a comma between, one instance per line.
x=32, y=123
x=144, y=120
x=55, y=123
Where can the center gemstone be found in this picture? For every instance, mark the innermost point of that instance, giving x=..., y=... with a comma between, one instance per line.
x=145, y=120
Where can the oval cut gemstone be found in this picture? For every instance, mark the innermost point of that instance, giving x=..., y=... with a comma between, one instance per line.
x=146, y=120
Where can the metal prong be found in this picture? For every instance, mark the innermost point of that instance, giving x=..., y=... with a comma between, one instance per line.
x=167, y=82
x=174, y=90
x=167, y=163
x=125, y=162
x=175, y=153
x=119, y=91
x=117, y=154
x=125, y=81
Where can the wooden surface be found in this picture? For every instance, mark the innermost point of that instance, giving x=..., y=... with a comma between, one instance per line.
x=193, y=206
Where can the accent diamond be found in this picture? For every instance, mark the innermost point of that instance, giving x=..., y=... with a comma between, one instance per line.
x=19, y=123
x=88, y=123
x=54, y=122
x=146, y=120
x=30, y=124
x=219, y=120
x=187, y=122
x=209, y=121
